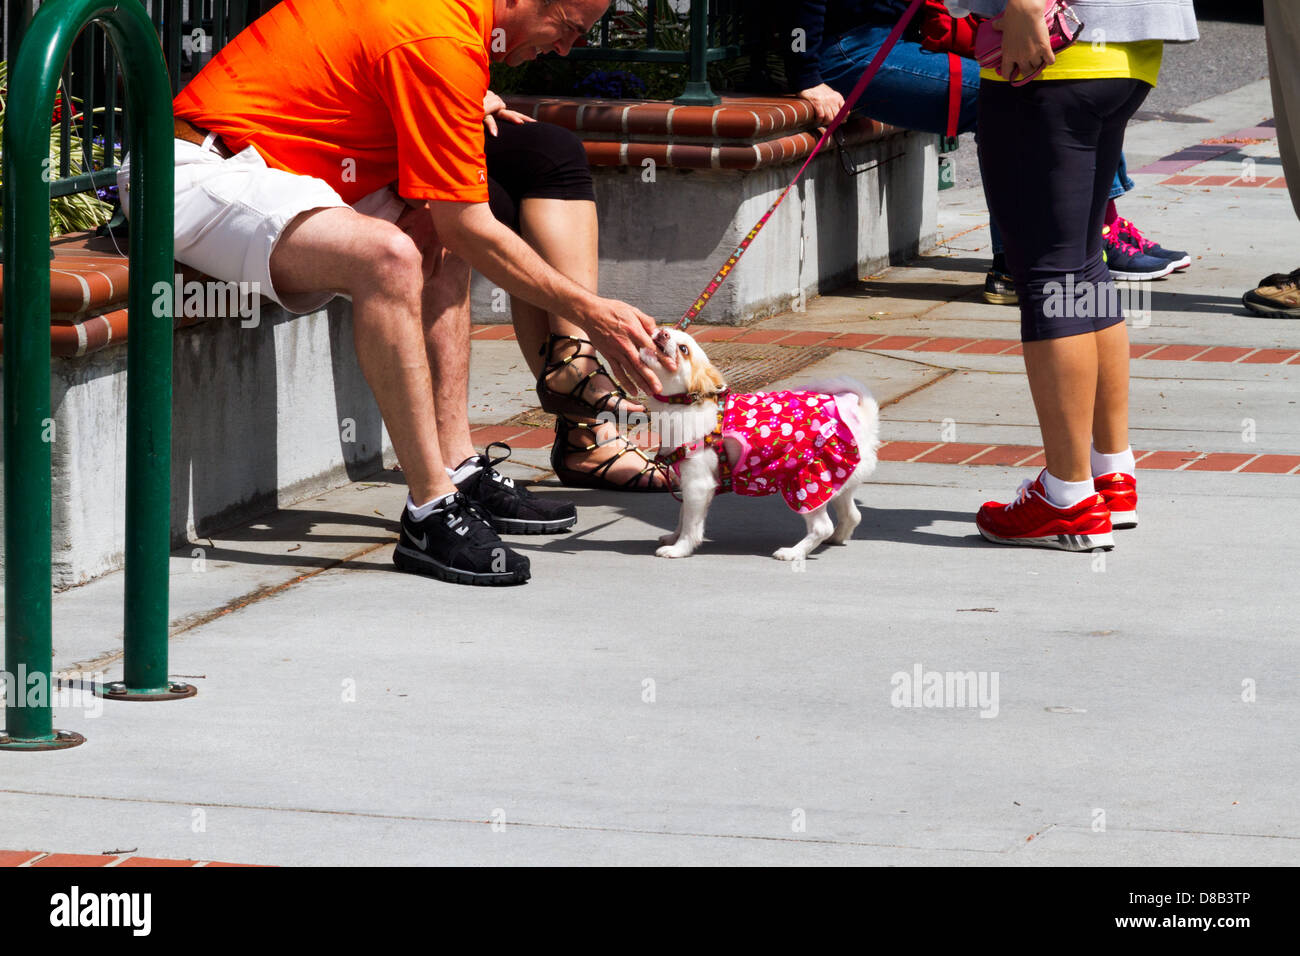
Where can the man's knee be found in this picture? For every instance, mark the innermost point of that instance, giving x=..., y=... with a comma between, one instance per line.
x=392, y=261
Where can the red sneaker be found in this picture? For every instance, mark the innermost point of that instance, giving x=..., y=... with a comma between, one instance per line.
x=1121, y=494
x=1033, y=520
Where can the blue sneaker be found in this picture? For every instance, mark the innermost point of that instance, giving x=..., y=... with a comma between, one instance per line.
x=1127, y=261
x=1130, y=232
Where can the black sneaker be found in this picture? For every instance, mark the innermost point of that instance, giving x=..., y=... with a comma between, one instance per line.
x=999, y=289
x=511, y=508
x=456, y=544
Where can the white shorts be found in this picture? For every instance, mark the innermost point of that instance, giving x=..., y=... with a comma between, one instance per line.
x=230, y=213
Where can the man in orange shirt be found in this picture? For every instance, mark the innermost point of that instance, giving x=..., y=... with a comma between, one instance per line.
x=337, y=148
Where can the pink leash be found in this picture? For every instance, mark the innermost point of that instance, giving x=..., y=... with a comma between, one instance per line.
x=856, y=94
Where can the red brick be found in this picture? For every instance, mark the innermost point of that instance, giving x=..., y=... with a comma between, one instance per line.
x=808, y=338
x=1179, y=181
x=1037, y=461
x=1269, y=357
x=1279, y=183
x=1223, y=353
x=533, y=438
x=854, y=340
x=716, y=333
x=1166, y=460
x=1216, y=180
x=1272, y=464
x=493, y=333
x=489, y=433
x=951, y=453
x=1017, y=349
x=943, y=345
x=603, y=153
x=986, y=347
x=1006, y=455
x=1142, y=350
x=899, y=342
x=135, y=861
x=73, y=859
x=257, y=865
x=764, y=336
x=903, y=450
x=17, y=857
x=1219, y=462
x=1175, y=353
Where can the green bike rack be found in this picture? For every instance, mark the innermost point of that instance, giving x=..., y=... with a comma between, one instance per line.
x=33, y=75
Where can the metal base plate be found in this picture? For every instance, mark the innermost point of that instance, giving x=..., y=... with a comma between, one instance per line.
x=63, y=739
x=173, y=691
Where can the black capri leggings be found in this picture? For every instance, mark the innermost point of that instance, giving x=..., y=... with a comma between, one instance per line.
x=534, y=160
x=1048, y=152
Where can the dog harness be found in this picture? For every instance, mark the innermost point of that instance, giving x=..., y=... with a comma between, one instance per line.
x=795, y=443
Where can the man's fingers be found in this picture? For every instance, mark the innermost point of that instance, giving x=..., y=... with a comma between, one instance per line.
x=491, y=124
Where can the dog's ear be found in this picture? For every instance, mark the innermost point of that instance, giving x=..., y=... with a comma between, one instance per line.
x=706, y=381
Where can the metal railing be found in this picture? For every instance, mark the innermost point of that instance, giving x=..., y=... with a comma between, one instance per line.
x=33, y=78
x=716, y=33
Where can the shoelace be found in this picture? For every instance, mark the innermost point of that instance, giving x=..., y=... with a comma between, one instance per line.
x=1021, y=494
x=1115, y=238
x=463, y=510
x=490, y=471
x=1126, y=229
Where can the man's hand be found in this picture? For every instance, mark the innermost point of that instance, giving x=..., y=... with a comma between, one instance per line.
x=1025, y=44
x=494, y=106
x=619, y=332
x=825, y=102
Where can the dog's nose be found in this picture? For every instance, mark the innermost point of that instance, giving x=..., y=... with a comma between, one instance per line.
x=661, y=338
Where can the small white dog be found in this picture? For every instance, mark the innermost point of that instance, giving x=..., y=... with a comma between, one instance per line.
x=814, y=446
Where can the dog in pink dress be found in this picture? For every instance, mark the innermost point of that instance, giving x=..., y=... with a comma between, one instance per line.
x=813, y=446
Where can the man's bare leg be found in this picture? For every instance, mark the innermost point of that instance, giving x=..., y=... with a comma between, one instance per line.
x=381, y=269
x=446, y=319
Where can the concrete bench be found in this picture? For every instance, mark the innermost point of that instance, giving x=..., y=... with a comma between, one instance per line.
x=264, y=414
x=677, y=188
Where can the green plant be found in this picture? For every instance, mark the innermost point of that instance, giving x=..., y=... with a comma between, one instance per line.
x=78, y=211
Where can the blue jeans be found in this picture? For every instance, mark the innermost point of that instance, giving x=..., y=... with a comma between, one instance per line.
x=911, y=90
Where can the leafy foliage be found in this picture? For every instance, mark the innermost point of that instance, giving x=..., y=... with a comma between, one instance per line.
x=79, y=211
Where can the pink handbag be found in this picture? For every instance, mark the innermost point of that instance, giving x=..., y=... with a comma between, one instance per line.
x=1063, y=28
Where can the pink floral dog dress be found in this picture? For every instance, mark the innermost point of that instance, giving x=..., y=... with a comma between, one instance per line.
x=798, y=443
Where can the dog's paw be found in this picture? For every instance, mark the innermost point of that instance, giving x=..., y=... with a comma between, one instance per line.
x=788, y=554
x=669, y=538
x=673, y=551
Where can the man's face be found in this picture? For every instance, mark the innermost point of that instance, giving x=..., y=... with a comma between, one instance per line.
x=533, y=27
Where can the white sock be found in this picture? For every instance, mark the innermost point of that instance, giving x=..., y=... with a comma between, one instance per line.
x=1121, y=461
x=420, y=512
x=1066, y=494
x=466, y=469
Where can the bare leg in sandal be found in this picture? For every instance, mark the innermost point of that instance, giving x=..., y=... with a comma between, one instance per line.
x=564, y=233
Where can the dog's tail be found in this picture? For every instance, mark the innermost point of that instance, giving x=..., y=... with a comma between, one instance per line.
x=867, y=428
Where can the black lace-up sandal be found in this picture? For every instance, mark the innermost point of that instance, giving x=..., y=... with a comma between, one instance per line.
x=574, y=403
x=650, y=478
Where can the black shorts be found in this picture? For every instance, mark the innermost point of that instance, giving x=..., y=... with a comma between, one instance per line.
x=1048, y=153
x=534, y=161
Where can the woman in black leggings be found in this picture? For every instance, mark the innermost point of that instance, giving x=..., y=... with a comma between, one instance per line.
x=1048, y=151
x=540, y=185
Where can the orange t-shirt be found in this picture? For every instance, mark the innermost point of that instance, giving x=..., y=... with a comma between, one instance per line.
x=359, y=95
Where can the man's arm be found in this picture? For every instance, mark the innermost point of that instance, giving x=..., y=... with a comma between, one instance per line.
x=618, y=330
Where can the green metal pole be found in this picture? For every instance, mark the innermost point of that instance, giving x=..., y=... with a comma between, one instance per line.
x=698, y=92
x=28, y=429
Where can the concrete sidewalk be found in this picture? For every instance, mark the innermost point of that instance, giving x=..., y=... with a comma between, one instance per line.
x=1135, y=707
